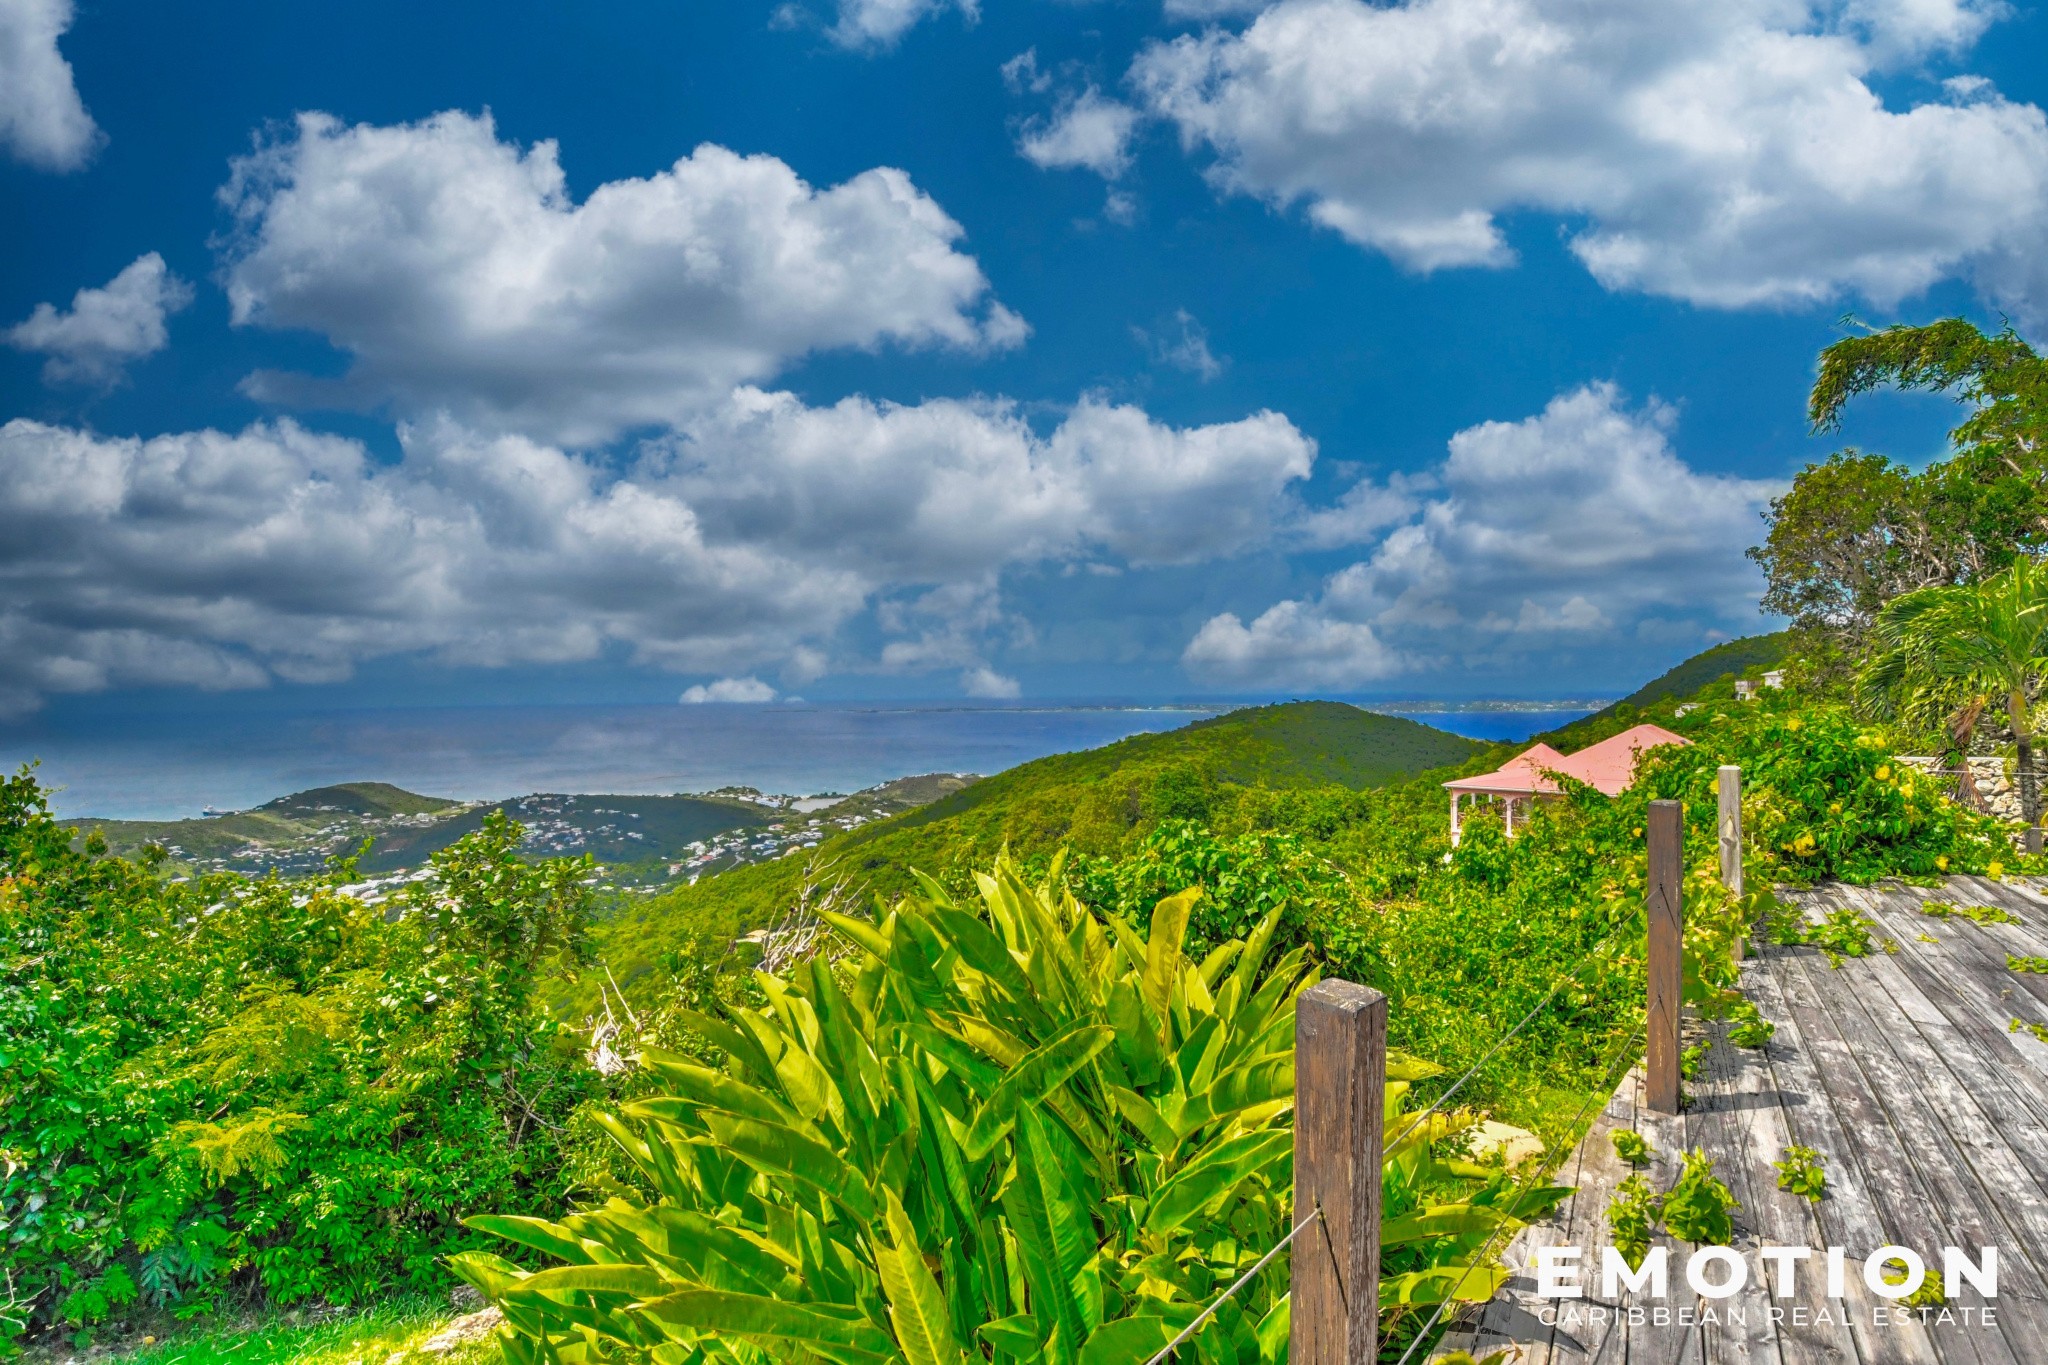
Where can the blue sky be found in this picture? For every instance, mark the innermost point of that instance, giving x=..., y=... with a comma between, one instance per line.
x=897, y=348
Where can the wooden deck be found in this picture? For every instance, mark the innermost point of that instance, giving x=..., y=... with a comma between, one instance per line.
x=1902, y=1069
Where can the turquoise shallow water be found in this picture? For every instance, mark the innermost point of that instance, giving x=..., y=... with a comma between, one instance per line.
x=144, y=768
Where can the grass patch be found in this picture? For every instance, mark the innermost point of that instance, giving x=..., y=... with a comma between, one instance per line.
x=369, y=1337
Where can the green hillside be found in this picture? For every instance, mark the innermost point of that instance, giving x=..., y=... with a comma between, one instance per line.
x=368, y=800
x=1095, y=801
x=1295, y=744
x=293, y=833
x=1747, y=657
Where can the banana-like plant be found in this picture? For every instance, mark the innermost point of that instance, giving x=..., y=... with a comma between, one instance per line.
x=1023, y=1134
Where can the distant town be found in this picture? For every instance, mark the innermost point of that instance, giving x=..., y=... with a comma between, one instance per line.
x=641, y=844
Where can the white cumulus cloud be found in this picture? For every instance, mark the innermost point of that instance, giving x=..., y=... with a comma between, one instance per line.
x=1198, y=10
x=456, y=271
x=1086, y=131
x=42, y=120
x=107, y=327
x=750, y=690
x=875, y=25
x=1578, y=523
x=1731, y=153
x=741, y=543
x=988, y=684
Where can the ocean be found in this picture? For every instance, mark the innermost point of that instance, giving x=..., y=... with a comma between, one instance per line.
x=147, y=769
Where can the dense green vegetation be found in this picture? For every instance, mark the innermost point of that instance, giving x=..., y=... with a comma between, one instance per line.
x=226, y=1085
x=234, y=1087
x=1298, y=759
x=976, y=1073
x=1010, y=1128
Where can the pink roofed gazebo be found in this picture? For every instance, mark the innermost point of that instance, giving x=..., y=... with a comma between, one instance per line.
x=1608, y=766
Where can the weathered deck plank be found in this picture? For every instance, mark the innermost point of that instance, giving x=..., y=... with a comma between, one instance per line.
x=1932, y=1120
x=1848, y=1217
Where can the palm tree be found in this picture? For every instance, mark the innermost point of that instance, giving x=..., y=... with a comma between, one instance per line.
x=1953, y=651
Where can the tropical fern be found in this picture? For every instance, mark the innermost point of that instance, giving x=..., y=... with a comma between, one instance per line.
x=1013, y=1130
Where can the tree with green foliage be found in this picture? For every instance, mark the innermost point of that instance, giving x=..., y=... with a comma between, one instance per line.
x=1858, y=529
x=2001, y=377
x=1852, y=533
x=1951, y=649
x=223, y=1087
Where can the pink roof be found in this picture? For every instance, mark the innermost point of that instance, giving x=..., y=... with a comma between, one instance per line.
x=1608, y=766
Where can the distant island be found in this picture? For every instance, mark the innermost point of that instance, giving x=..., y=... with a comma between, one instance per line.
x=639, y=842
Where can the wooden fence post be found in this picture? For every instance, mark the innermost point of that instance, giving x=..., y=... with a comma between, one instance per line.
x=1667, y=946
x=1730, y=782
x=1730, y=792
x=1340, y=1075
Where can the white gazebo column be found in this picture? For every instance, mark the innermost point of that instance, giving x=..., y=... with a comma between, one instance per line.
x=1507, y=816
x=1454, y=818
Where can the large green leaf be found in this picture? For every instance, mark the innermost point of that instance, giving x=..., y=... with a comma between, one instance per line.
x=1138, y=1029
x=490, y=1274
x=1163, y=949
x=694, y=1086
x=1442, y=1220
x=777, y=1150
x=1052, y=1230
x=983, y=950
x=962, y=1060
x=1032, y=1081
x=1267, y=1080
x=633, y=1281
x=1213, y=1173
x=1463, y=1283
x=1142, y=1115
x=917, y=1307
x=1129, y=1341
x=1018, y=1335
x=842, y=1334
x=537, y=1233
x=874, y=940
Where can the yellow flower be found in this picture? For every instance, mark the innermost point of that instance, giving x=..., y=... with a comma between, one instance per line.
x=1941, y=862
x=1834, y=808
x=1792, y=724
x=1884, y=772
x=1803, y=845
x=1995, y=871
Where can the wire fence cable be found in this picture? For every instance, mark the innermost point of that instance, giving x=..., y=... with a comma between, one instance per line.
x=1240, y=1283
x=1441, y=1100
x=1626, y=1050
x=1435, y=1106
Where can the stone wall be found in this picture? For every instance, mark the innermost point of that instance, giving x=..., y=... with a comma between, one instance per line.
x=1989, y=776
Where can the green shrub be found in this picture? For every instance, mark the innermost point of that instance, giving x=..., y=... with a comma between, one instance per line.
x=1803, y=1173
x=1749, y=1027
x=1243, y=879
x=224, y=1085
x=1015, y=1128
x=1696, y=1207
x=1824, y=797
